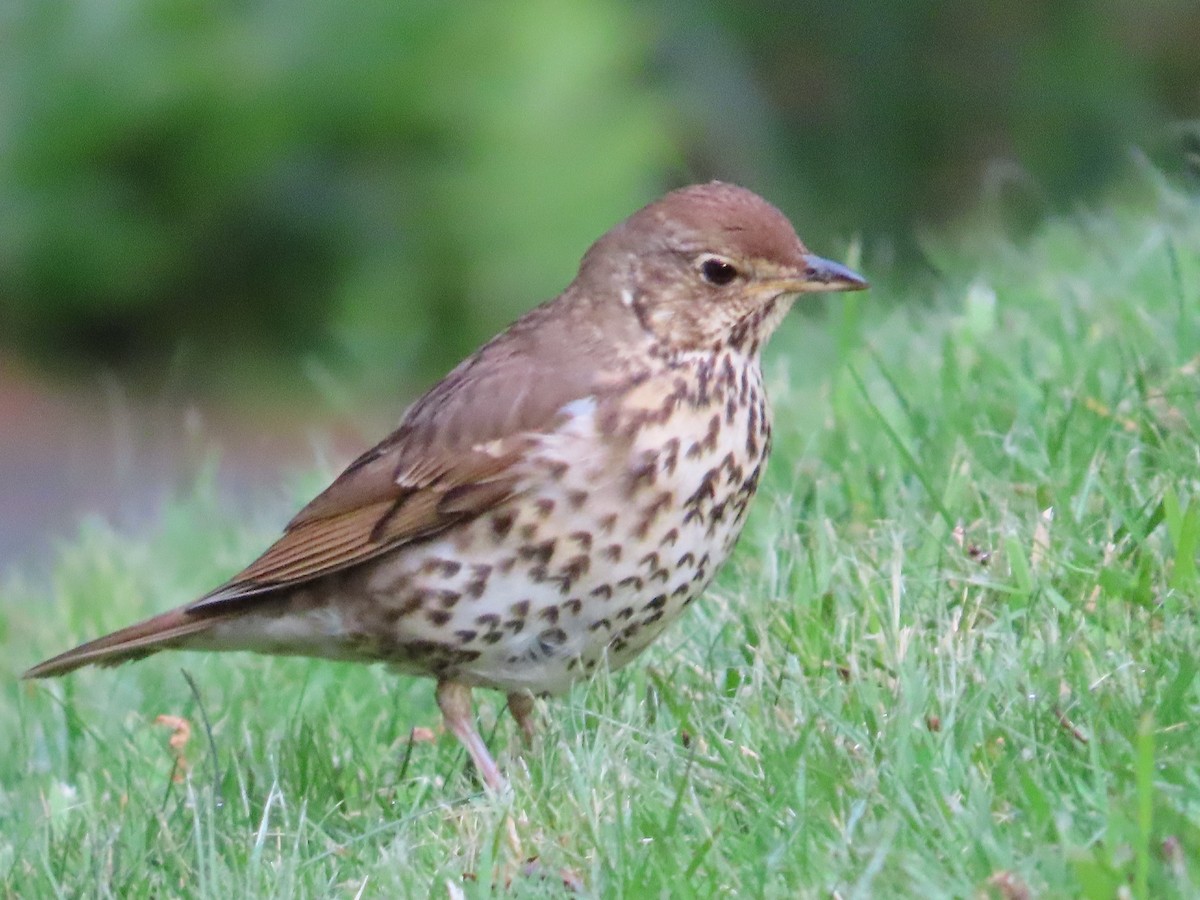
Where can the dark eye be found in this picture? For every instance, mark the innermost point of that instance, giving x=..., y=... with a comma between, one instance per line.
x=717, y=271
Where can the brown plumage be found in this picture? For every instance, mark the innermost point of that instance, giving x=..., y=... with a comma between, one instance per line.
x=557, y=498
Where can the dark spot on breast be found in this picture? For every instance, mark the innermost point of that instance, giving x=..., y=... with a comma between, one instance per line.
x=557, y=469
x=438, y=616
x=575, y=568
x=600, y=623
x=506, y=565
x=706, y=490
x=728, y=461
x=549, y=614
x=520, y=610
x=650, y=560
x=626, y=613
x=492, y=636
x=660, y=575
x=669, y=539
x=573, y=606
x=488, y=620
x=540, y=552
x=750, y=485
x=544, y=507
x=502, y=524
x=515, y=625
x=447, y=598
x=670, y=455
x=582, y=538
x=613, y=552
x=466, y=635
x=552, y=637
x=633, y=581
x=608, y=523
x=609, y=420
x=448, y=567
x=528, y=532
x=657, y=603
x=681, y=590
x=643, y=473
x=686, y=560
x=667, y=408
x=653, y=511
x=411, y=604
x=716, y=514
x=728, y=373
x=577, y=498
x=713, y=433
x=703, y=376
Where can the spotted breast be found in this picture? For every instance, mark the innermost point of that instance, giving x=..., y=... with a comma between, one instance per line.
x=620, y=524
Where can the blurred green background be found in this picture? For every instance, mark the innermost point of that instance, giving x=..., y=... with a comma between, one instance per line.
x=244, y=193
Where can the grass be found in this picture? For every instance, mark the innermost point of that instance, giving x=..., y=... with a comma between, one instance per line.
x=955, y=654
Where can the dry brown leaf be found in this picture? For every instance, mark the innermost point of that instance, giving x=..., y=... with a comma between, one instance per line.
x=181, y=733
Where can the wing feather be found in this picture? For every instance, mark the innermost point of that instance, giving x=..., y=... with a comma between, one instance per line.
x=456, y=455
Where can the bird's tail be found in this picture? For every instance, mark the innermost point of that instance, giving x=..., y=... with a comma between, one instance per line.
x=142, y=639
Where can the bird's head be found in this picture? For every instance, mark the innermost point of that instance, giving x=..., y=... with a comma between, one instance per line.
x=706, y=265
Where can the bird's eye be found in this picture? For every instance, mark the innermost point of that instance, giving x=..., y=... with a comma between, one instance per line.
x=717, y=271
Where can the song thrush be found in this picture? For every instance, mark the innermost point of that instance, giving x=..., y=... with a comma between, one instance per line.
x=555, y=501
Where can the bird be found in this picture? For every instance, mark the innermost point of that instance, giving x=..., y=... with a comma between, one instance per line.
x=556, y=500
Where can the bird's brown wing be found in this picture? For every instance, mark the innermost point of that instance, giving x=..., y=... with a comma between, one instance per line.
x=454, y=457
x=371, y=509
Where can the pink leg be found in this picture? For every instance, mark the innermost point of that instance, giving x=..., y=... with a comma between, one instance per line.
x=454, y=700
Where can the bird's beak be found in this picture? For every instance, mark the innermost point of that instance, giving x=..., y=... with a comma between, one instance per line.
x=821, y=274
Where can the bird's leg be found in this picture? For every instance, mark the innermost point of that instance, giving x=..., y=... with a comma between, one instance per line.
x=454, y=700
x=520, y=704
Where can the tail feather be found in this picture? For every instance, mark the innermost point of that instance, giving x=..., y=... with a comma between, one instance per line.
x=138, y=640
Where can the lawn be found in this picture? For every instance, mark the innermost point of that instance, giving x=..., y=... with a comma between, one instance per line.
x=955, y=654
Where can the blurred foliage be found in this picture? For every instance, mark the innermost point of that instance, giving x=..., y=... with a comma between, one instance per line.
x=211, y=185
x=284, y=177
